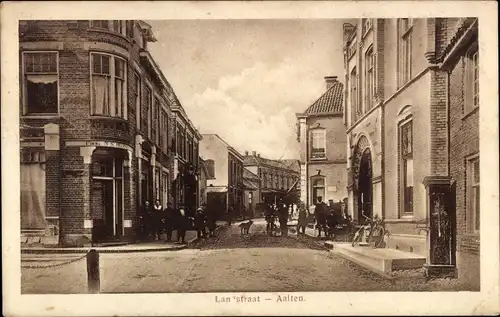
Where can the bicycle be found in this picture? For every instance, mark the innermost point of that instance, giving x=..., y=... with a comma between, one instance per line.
x=372, y=231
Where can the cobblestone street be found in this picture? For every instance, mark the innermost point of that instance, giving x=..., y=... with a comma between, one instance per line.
x=229, y=263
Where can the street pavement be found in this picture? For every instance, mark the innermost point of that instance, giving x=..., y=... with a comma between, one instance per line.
x=226, y=263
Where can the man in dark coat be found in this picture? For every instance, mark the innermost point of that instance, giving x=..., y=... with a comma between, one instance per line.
x=169, y=220
x=210, y=214
x=147, y=220
x=321, y=211
x=182, y=225
x=283, y=218
x=199, y=222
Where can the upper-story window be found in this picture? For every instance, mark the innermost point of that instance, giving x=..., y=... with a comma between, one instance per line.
x=40, y=83
x=155, y=118
x=354, y=91
x=367, y=25
x=369, y=78
x=164, y=131
x=148, y=97
x=471, y=79
x=108, y=86
x=404, y=50
x=118, y=26
x=318, y=144
x=137, y=99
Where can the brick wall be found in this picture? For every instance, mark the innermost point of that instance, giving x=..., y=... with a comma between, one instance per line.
x=464, y=141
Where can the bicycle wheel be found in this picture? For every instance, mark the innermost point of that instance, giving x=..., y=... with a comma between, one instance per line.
x=377, y=237
x=357, y=237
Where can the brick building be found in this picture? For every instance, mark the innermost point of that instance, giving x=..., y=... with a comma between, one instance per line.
x=404, y=118
x=225, y=188
x=322, y=137
x=98, y=121
x=277, y=178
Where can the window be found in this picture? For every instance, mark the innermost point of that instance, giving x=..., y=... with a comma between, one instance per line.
x=118, y=26
x=155, y=114
x=33, y=189
x=148, y=96
x=165, y=189
x=369, y=78
x=164, y=131
x=406, y=161
x=404, y=51
x=472, y=79
x=109, y=93
x=473, y=198
x=354, y=93
x=318, y=144
x=367, y=25
x=137, y=100
x=264, y=180
x=178, y=142
x=157, y=183
x=40, y=83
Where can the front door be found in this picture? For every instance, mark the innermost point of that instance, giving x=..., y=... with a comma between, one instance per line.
x=365, y=187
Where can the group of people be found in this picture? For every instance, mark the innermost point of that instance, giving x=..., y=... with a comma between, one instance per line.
x=155, y=220
x=280, y=212
x=328, y=217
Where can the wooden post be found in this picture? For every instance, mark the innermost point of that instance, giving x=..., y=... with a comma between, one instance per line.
x=93, y=273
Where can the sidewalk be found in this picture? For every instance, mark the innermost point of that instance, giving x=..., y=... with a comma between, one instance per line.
x=150, y=246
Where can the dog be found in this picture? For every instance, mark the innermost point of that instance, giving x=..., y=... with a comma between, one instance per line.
x=245, y=227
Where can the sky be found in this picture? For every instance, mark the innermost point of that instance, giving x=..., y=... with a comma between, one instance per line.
x=246, y=79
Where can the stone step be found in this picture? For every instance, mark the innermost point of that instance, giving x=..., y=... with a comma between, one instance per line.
x=383, y=261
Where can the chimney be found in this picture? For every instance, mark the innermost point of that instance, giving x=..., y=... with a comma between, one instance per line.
x=246, y=153
x=254, y=153
x=330, y=80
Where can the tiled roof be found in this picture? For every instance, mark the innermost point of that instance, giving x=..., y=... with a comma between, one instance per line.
x=330, y=102
x=289, y=164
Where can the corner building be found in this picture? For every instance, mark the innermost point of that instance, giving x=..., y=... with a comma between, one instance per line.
x=405, y=119
x=97, y=129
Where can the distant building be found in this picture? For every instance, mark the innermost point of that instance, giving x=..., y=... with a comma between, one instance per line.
x=277, y=178
x=225, y=189
x=322, y=137
x=251, y=184
x=411, y=114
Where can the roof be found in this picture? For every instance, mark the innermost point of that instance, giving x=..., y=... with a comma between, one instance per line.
x=331, y=102
x=229, y=147
x=289, y=164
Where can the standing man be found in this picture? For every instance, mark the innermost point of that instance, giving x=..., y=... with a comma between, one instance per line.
x=157, y=220
x=169, y=220
x=199, y=222
x=182, y=224
x=283, y=218
x=147, y=214
x=210, y=214
x=302, y=220
x=321, y=212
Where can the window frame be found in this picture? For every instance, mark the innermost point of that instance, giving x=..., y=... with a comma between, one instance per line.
x=112, y=92
x=369, y=78
x=149, y=105
x=123, y=27
x=24, y=98
x=138, y=99
x=470, y=81
x=402, y=159
x=471, y=211
x=404, y=51
x=314, y=132
x=353, y=87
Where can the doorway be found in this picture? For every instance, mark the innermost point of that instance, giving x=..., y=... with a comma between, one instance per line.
x=365, y=187
x=107, y=196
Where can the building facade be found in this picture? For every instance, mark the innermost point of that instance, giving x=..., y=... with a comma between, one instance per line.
x=96, y=128
x=277, y=178
x=250, y=195
x=185, y=161
x=400, y=99
x=322, y=137
x=225, y=189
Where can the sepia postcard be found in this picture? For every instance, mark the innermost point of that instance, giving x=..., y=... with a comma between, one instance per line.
x=252, y=158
